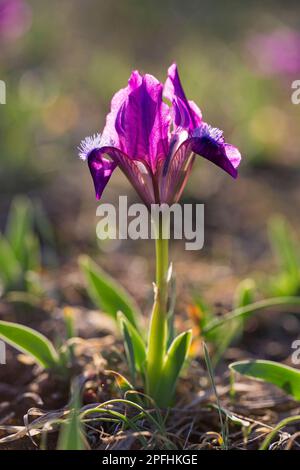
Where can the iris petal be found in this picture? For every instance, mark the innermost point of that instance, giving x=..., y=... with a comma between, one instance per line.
x=205, y=141
x=112, y=130
x=155, y=156
x=143, y=120
x=216, y=153
x=101, y=170
x=137, y=172
x=208, y=142
x=186, y=114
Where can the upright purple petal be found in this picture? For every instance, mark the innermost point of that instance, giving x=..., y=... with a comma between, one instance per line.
x=110, y=134
x=143, y=120
x=186, y=114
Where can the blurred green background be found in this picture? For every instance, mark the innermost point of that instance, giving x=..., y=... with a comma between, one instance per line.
x=62, y=61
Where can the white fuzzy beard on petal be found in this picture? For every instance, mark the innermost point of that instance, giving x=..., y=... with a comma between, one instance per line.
x=89, y=144
x=208, y=131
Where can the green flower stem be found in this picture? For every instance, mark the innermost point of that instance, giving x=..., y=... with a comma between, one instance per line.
x=157, y=338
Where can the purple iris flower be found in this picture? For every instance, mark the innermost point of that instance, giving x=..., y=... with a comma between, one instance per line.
x=153, y=143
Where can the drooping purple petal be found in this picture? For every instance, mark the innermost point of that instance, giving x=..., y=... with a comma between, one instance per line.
x=100, y=167
x=137, y=172
x=205, y=141
x=101, y=170
x=186, y=114
x=233, y=154
x=143, y=120
x=208, y=142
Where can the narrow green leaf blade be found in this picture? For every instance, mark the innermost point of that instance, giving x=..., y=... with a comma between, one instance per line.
x=137, y=343
x=71, y=434
x=10, y=269
x=129, y=350
x=244, y=293
x=243, y=296
x=284, y=246
x=29, y=341
x=285, y=377
x=173, y=363
x=32, y=247
x=19, y=227
x=287, y=281
x=224, y=428
x=285, y=422
x=106, y=293
x=249, y=310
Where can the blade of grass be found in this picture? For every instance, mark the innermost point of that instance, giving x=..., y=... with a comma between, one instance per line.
x=272, y=434
x=224, y=432
x=246, y=312
x=244, y=293
x=143, y=412
x=243, y=296
x=71, y=434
